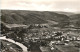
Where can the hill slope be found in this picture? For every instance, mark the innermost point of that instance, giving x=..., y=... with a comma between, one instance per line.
x=33, y=17
x=12, y=17
x=75, y=19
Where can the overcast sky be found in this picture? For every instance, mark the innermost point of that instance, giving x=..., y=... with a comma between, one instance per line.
x=42, y=5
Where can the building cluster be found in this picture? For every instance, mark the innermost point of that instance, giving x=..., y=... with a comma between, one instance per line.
x=40, y=35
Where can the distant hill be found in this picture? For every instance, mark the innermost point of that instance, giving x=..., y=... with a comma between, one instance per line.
x=75, y=19
x=66, y=13
x=15, y=17
x=34, y=17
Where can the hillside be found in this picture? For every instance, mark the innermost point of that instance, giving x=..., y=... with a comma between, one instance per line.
x=34, y=17
x=65, y=13
x=14, y=17
x=75, y=20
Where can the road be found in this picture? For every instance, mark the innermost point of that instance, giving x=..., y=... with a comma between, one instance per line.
x=17, y=43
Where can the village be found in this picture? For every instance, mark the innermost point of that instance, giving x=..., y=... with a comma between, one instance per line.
x=39, y=38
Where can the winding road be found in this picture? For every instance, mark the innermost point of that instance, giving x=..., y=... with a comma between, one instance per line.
x=24, y=48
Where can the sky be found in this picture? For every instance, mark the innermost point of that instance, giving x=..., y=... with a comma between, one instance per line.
x=42, y=5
